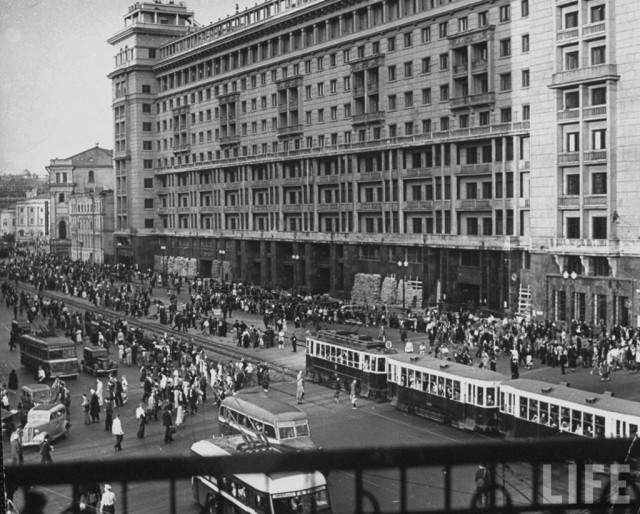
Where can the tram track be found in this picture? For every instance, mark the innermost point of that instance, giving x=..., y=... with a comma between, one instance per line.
x=218, y=348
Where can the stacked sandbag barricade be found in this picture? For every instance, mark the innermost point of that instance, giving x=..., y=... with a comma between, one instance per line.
x=366, y=289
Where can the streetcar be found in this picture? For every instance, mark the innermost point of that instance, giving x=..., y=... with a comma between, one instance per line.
x=445, y=391
x=334, y=354
x=531, y=408
x=262, y=417
x=57, y=355
x=256, y=493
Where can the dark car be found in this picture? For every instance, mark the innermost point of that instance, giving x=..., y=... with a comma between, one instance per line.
x=96, y=361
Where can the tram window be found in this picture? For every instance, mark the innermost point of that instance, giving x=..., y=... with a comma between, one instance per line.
x=366, y=365
x=403, y=376
x=332, y=353
x=576, y=421
x=503, y=405
x=565, y=414
x=533, y=411
x=260, y=503
x=223, y=412
x=633, y=430
x=544, y=413
x=242, y=419
x=449, y=388
x=356, y=360
x=440, y=386
x=418, y=382
x=490, y=396
x=523, y=408
x=381, y=363
x=480, y=399
x=456, y=390
x=412, y=378
x=553, y=417
x=588, y=424
x=599, y=426
x=287, y=432
x=433, y=386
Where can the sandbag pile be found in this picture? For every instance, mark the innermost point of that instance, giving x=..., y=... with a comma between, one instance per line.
x=389, y=291
x=366, y=288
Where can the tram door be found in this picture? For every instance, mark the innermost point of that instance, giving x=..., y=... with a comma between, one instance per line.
x=367, y=364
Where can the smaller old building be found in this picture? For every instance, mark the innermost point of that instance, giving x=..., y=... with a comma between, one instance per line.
x=32, y=222
x=91, y=223
x=7, y=221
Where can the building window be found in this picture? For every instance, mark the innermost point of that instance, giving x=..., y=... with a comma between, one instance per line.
x=525, y=78
x=444, y=123
x=146, y=88
x=472, y=226
x=483, y=19
x=91, y=177
x=146, y=108
x=346, y=83
x=484, y=118
x=392, y=102
x=444, y=61
x=393, y=130
x=471, y=188
x=505, y=82
x=320, y=115
x=426, y=95
x=426, y=34
x=333, y=86
x=463, y=24
x=61, y=198
x=408, y=39
x=148, y=203
x=599, y=139
x=599, y=227
x=147, y=164
x=148, y=183
x=505, y=13
x=147, y=126
x=571, y=20
x=148, y=223
x=443, y=29
x=598, y=55
x=408, y=99
x=573, y=228
x=408, y=69
x=573, y=184
x=426, y=126
x=599, y=183
x=572, y=100
x=426, y=65
x=391, y=44
x=524, y=8
x=321, y=89
x=573, y=142
x=408, y=128
x=444, y=92
x=599, y=96
x=320, y=63
x=463, y=121
x=597, y=13
x=505, y=47
x=391, y=73
x=526, y=112
x=505, y=115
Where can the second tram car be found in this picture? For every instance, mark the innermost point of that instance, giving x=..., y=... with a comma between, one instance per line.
x=333, y=354
x=531, y=408
x=448, y=392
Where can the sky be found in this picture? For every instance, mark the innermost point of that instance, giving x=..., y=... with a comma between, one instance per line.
x=55, y=97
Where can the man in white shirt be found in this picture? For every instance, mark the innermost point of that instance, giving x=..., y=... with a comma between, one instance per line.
x=108, y=501
x=116, y=429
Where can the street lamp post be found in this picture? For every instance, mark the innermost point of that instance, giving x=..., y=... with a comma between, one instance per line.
x=164, y=264
x=403, y=265
x=81, y=250
x=295, y=257
x=222, y=253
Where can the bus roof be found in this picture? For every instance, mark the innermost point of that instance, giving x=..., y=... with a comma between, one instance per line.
x=263, y=408
x=348, y=340
x=425, y=363
x=49, y=341
x=273, y=483
x=563, y=392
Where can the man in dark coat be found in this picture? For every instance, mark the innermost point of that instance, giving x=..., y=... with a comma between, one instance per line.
x=167, y=422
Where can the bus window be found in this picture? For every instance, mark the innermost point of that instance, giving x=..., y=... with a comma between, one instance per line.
x=433, y=384
x=287, y=432
x=503, y=405
x=440, y=386
x=456, y=390
x=223, y=412
x=425, y=382
x=270, y=431
x=633, y=430
x=302, y=429
x=366, y=365
x=523, y=407
x=576, y=422
x=356, y=360
x=260, y=503
x=491, y=394
x=403, y=377
x=242, y=419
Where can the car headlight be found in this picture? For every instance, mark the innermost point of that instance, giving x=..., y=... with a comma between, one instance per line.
x=36, y=431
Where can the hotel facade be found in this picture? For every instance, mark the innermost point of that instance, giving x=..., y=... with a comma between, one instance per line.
x=488, y=147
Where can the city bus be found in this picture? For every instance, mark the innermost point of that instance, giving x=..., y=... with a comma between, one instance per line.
x=257, y=493
x=262, y=417
x=57, y=355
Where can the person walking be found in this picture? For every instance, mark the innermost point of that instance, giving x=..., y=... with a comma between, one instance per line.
x=482, y=483
x=294, y=344
x=94, y=407
x=265, y=379
x=108, y=415
x=99, y=392
x=45, y=450
x=141, y=416
x=167, y=421
x=116, y=429
x=300, y=387
x=108, y=501
x=336, y=390
x=17, y=456
x=354, y=394
x=86, y=406
x=13, y=380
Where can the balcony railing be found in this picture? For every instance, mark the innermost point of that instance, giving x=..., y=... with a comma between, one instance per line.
x=470, y=100
x=534, y=462
x=598, y=73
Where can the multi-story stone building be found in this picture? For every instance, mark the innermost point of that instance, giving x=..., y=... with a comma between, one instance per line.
x=91, y=223
x=7, y=221
x=483, y=145
x=88, y=172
